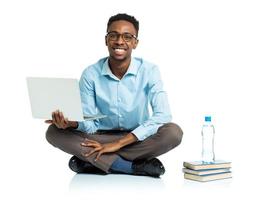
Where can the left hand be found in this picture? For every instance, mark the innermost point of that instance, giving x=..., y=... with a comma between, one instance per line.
x=100, y=148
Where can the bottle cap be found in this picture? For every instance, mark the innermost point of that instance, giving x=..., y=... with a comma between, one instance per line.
x=207, y=118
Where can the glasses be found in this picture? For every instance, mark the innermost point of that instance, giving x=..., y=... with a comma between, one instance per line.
x=114, y=36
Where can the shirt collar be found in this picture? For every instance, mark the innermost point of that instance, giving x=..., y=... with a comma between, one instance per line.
x=133, y=68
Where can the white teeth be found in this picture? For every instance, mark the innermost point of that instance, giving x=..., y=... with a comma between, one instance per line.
x=119, y=50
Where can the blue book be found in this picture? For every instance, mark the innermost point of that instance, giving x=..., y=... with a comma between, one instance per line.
x=206, y=171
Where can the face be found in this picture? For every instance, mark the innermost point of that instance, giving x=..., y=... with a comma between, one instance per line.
x=119, y=41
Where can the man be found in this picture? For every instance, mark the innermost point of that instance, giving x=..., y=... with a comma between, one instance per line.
x=128, y=140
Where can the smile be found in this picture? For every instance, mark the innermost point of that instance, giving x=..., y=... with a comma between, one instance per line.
x=119, y=50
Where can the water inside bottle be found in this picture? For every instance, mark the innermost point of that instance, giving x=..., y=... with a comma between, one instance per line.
x=208, y=155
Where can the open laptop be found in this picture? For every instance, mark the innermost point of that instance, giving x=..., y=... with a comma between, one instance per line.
x=51, y=94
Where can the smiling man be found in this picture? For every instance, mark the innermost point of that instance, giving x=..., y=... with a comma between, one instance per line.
x=121, y=87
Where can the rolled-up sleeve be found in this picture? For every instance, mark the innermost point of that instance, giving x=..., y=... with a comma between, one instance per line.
x=159, y=104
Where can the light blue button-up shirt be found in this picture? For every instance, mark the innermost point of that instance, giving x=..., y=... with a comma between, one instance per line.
x=126, y=101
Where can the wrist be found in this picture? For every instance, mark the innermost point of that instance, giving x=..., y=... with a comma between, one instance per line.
x=126, y=140
x=120, y=144
x=73, y=124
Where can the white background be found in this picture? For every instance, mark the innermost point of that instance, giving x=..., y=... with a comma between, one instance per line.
x=206, y=51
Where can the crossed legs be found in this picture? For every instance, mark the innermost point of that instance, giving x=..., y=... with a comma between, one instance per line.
x=167, y=137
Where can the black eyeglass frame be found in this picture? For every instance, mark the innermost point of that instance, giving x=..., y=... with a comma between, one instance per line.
x=120, y=35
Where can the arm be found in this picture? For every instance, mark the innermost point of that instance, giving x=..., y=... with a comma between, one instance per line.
x=159, y=104
x=126, y=140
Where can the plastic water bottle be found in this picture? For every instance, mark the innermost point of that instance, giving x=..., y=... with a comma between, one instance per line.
x=208, y=132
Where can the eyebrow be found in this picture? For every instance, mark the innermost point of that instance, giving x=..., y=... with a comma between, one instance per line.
x=120, y=33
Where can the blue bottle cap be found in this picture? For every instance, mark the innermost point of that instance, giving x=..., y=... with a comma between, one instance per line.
x=207, y=118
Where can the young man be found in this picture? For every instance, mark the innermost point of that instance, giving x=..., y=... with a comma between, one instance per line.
x=128, y=140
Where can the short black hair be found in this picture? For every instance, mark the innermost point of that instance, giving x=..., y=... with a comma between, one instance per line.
x=126, y=17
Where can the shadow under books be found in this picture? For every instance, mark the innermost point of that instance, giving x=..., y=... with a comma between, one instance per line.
x=224, y=183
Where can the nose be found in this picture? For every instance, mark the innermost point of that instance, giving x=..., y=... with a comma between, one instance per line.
x=120, y=40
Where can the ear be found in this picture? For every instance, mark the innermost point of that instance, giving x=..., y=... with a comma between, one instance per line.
x=135, y=44
x=106, y=41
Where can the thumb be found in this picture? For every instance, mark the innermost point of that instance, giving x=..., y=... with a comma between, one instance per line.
x=48, y=121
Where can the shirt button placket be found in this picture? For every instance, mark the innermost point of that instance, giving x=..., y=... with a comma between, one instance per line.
x=118, y=103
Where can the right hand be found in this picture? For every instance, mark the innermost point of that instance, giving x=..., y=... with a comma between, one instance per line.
x=60, y=121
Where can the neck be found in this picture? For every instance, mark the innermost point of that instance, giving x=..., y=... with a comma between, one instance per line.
x=119, y=68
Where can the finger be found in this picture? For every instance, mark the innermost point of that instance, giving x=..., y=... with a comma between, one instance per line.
x=92, y=141
x=62, y=120
x=91, y=152
x=61, y=116
x=58, y=122
x=57, y=117
x=90, y=145
x=66, y=121
x=49, y=121
x=53, y=117
x=98, y=155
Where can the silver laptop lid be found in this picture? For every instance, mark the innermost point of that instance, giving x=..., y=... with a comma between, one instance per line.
x=49, y=94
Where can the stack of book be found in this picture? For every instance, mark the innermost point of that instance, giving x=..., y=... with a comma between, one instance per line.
x=200, y=171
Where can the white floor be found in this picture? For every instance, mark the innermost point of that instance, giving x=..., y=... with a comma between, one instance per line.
x=36, y=170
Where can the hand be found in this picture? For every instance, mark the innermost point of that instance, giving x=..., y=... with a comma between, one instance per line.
x=100, y=148
x=60, y=121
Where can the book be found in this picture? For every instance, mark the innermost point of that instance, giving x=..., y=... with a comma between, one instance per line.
x=205, y=171
x=199, y=165
x=204, y=178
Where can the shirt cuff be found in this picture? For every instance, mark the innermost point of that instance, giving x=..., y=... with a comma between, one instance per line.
x=142, y=132
x=87, y=127
x=80, y=126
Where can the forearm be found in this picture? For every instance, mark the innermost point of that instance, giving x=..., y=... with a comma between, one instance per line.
x=126, y=140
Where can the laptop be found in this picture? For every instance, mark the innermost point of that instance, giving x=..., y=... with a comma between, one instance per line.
x=50, y=94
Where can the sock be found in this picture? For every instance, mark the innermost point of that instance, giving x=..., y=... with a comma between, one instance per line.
x=121, y=165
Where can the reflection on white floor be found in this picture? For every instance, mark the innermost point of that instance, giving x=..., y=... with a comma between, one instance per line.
x=88, y=181
x=139, y=187
x=224, y=184
x=113, y=184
